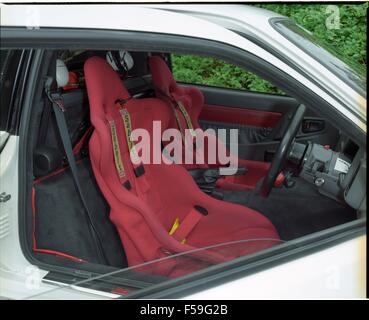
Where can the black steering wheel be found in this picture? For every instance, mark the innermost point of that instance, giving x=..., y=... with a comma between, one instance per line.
x=283, y=148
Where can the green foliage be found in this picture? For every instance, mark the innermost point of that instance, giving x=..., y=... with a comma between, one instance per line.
x=349, y=40
x=214, y=72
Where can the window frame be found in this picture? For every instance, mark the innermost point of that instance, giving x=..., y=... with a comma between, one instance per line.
x=280, y=25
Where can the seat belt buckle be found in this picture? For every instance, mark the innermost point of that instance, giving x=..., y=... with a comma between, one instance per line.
x=139, y=171
x=127, y=185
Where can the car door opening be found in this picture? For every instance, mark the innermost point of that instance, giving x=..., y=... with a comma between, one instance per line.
x=147, y=212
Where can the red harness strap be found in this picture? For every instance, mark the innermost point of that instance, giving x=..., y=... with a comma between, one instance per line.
x=187, y=225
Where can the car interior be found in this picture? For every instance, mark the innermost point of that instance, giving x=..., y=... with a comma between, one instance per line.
x=297, y=173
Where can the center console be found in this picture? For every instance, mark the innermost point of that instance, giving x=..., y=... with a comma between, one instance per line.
x=338, y=175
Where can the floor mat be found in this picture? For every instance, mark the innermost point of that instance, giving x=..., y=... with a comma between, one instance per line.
x=60, y=220
x=296, y=211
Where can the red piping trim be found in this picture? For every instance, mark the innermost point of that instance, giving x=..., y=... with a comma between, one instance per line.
x=54, y=173
x=33, y=219
x=59, y=254
x=77, y=148
x=121, y=291
x=34, y=245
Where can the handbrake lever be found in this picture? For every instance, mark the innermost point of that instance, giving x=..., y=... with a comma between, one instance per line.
x=229, y=171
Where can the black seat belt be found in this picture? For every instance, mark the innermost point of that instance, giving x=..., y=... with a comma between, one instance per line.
x=45, y=117
x=57, y=104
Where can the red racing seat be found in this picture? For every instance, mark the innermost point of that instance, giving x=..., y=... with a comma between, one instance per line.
x=192, y=99
x=157, y=208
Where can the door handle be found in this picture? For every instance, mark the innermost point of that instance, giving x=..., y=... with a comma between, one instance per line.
x=312, y=125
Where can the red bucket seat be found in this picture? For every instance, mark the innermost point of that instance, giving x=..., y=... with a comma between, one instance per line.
x=158, y=209
x=192, y=99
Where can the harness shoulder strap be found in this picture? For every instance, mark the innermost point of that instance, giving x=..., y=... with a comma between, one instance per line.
x=187, y=118
x=138, y=168
x=45, y=117
x=178, y=105
x=116, y=149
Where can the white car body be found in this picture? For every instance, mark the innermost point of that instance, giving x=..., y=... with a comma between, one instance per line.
x=340, y=272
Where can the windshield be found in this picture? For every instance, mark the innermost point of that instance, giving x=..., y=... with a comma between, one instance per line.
x=127, y=282
x=349, y=71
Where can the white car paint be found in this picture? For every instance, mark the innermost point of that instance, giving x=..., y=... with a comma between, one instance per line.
x=14, y=268
x=305, y=277
x=19, y=279
x=338, y=272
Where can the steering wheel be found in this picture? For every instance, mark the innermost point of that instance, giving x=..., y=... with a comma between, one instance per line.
x=283, y=148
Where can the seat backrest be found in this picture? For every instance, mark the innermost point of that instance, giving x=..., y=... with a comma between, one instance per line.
x=106, y=93
x=166, y=88
x=49, y=151
x=131, y=209
x=76, y=116
x=76, y=109
x=165, y=84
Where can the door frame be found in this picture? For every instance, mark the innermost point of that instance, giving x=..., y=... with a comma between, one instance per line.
x=58, y=38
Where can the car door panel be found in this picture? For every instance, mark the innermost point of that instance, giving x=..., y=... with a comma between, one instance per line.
x=255, y=115
x=242, y=116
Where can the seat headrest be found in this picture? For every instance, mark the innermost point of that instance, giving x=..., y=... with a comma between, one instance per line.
x=104, y=86
x=162, y=77
x=121, y=60
x=62, y=74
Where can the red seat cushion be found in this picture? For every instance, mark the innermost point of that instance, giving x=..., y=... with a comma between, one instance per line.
x=145, y=215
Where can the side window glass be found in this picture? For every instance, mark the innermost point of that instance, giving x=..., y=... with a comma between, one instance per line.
x=208, y=71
